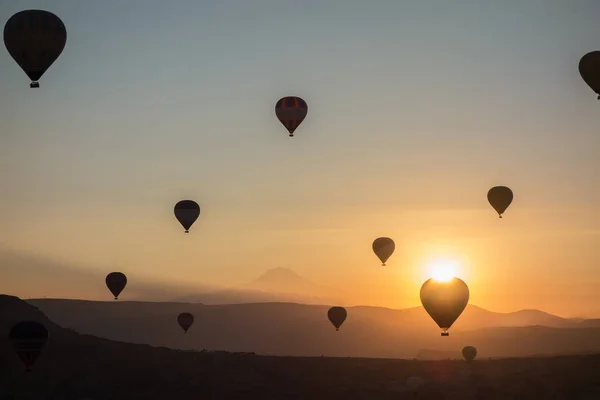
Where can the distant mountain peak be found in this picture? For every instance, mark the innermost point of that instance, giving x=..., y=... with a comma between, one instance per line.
x=283, y=280
x=279, y=274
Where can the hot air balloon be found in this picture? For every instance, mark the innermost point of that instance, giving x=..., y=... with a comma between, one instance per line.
x=589, y=69
x=116, y=282
x=444, y=301
x=185, y=320
x=291, y=111
x=35, y=39
x=337, y=316
x=500, y=198
x=28, y=339
x=469, y=353
x=384, y=247
x=187, y=212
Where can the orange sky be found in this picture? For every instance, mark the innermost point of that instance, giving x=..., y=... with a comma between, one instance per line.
x=419, y=111
x=499, y=259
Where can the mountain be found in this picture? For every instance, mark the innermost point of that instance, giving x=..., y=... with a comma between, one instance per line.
x=22, y=272
x=77, y=367
x=477, y=318
x=284, y=280
x=589, y=323
x=303, y=330
x=275, y=285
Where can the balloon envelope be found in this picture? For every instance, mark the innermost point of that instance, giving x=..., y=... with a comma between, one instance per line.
x=291, y=111
x=187, y=212
x=383, y=247
x=444, y=301
x=337, y=316
x=116, y=282
x=185, y=320
x=500, y=198
x=35, y=39
x=28, y=339
x=469, y=353
x=589, y=69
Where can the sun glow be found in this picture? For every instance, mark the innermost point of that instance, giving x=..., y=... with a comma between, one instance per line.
x=443, y=270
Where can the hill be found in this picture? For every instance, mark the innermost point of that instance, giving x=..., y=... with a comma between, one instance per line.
x=77, y=367
x=287, y=329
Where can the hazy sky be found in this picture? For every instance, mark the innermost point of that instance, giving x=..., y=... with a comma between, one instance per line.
x=416, y=109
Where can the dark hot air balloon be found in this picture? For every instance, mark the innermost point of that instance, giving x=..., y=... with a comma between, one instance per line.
x=337, y=316
x=444, y=301
x=291, y=111
x=383, y=247
x=187, y=212
x=589, y=69
x=116, y=282
x=185, y=320
x=35, y=39
x=28, y=339
x=500, y=198
x=469, y=353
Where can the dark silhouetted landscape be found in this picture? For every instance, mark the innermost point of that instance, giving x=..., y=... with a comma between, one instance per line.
x=82, y=366
x=299, y=330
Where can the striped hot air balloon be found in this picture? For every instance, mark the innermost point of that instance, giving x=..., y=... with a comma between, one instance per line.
x=291, y=111
x=28, y=339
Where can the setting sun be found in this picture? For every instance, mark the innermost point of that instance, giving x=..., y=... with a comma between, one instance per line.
x=443, y=271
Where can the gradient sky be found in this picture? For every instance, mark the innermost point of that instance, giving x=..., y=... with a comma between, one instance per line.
x=416, y=109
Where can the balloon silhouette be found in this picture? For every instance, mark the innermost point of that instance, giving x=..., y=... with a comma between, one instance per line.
x=28, y=339
x=589, y=69
x=337, y=316
x=187, y=212
x=469, y=353
x=500, y=198
x=35, y=39
x=185, y=320
x=383, y=247
x=444, y=301
x=291, y=111
x=116, y=282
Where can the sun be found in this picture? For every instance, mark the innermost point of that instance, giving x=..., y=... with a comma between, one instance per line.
x=443, y=270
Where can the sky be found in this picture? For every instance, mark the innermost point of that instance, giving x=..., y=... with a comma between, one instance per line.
x=416, y=109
